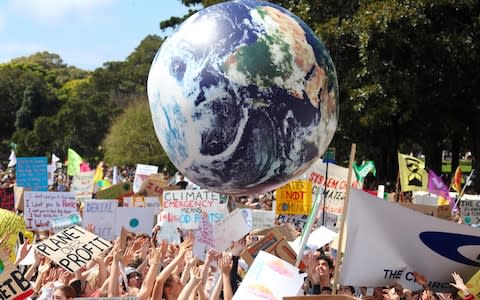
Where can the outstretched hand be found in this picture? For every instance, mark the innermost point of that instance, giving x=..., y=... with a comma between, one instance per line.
x=459, y=284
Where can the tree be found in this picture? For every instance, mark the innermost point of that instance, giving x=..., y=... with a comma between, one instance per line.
x=132, y=139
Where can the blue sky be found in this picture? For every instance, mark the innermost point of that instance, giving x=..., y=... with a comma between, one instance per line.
x=85, y=33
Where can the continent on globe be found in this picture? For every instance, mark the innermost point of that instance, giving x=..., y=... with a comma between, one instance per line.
x=244, y=97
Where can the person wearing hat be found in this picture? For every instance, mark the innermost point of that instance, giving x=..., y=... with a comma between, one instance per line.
x=134, y=277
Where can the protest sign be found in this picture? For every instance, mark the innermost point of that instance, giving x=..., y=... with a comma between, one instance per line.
x=269, y=277
x=32, y=173
x=116, y=191
x=60, y=223
x=135, y=219
x=154, y=185
x=204, y=238
x=169, y=232
x=317, y=239
x=141, y=173
x=440, y=211
x=140, y=201
x=41, y=207
x=273, y=242
x=73, y=248
x=294, y=198
x=470, y=211
x=336, y=185
x=262, y=219
x=102, y=214
x=12, y=283
x=439, y=247
x=298, y=221
x=7, y=198
x=19, y=198
x=329, y=220
x=184, y=207
x=82, y=185
x=322, y=297
x=232, y=228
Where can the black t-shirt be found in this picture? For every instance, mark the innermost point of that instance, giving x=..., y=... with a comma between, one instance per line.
x=182, y=184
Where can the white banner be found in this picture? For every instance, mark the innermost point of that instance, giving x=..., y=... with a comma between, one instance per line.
x=142, y=172
x=102, y=214
x=41, y=207
x=185, y=207
x=392, y=242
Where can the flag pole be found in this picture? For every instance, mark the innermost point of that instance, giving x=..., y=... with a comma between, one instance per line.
x=344, y=214
x=467, y=183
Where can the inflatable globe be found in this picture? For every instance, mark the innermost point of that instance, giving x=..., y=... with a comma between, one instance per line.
x=244, y=97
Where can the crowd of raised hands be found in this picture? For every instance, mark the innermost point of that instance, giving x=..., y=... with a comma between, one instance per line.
x=139, y=266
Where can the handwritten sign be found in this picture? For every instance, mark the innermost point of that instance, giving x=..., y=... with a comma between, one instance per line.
x=262, y=219
x=73, y=248
x=470, y=211
x=232, y=228
x=269, y=277
x=32, y=173
x=184, y=207
x=41, y=207
x=82, y=185
x=298, y=221
x=140, y=201
x=12, y=283
x=154, y=185
x=102, y=214
x=141, y=173
x=294, y=198
x=204, y=238
x=7, y=198
x=60, y=223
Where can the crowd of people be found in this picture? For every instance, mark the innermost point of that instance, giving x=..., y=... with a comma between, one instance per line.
x=139, y=265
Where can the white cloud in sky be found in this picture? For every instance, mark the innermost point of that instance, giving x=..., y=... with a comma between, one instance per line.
x=56, y=10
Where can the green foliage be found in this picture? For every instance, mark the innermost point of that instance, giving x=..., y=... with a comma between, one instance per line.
x=132, y=139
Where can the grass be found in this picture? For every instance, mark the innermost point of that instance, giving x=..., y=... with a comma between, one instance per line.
x=465, y=166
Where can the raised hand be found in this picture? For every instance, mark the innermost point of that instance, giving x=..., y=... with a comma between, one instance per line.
x=237, y=247
x=225, y=263
x=185, y=246
x=459, y=284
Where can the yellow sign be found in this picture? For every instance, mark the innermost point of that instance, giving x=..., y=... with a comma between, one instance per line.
x=294, y=198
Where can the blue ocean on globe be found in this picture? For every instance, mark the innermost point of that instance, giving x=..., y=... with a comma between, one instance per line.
x=244, y=97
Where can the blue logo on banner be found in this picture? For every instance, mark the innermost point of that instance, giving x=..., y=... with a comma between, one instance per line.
x=447, y=244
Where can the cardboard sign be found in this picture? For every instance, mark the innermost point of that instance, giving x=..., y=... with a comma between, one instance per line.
x=154, y=185
x=294, y=198
x=442, y=211
x=275, y=243
x=41, y=207
x=154, y=203
x=232, y=228
x=73, y=248
x=102, y=214
x=116, y=191
x=19, y=198
x=135, y=219
x=60, y=223
x=82, y=185
x=269, y=277
x=32, y=173
x=141, y=173
x=12, y=283
x=7, y=198
x=185, y=207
